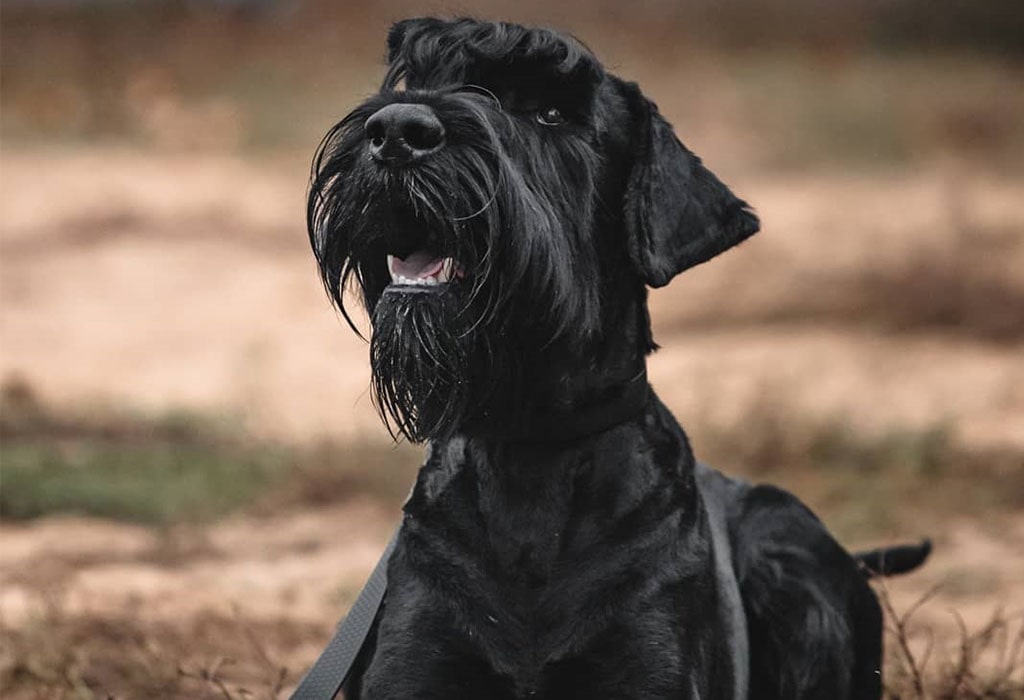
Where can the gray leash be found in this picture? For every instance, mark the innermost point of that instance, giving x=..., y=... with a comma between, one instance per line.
x=329, y=672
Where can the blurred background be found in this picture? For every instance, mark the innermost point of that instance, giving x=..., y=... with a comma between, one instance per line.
x=194, y=483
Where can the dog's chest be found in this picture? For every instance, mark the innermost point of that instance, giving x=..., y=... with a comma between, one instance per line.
x=537, y=547
x=536, y=518
x=527, y=514
x=550, y=574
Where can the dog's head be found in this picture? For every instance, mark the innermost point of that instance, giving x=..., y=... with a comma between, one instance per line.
x=501, y=213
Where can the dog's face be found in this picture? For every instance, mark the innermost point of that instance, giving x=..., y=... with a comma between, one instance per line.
x=501, y=213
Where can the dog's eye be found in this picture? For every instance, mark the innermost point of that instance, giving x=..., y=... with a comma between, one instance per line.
x=550, y=116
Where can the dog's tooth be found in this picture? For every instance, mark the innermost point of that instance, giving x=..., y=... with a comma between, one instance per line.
x=391, y=266
x=445, y=274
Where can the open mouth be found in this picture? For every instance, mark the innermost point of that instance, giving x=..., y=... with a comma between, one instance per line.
x=422, y=269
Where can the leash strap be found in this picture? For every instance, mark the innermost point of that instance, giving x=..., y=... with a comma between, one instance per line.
x=329, y=672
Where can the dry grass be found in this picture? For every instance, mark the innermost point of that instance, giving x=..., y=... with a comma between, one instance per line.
x=938, y=291
x=957, y=286
x=59, y=656
x=986, y=663
x=865, y=484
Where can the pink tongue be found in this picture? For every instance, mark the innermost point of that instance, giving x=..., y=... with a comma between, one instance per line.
x=418, y=265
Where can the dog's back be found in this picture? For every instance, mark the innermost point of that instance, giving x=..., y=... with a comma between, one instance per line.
x=813, y=625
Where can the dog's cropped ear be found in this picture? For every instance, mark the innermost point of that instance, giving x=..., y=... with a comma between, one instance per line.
x=677, y=213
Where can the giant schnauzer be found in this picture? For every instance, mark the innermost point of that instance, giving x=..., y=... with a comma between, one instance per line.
x=502, y=205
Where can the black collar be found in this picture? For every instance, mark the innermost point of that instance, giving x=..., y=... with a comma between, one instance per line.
x=624, y=404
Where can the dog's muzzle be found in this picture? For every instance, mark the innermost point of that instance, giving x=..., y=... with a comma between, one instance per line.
x=401, y=134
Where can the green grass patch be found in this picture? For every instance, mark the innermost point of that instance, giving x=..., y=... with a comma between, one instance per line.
x=149, y=483
x=177, y=467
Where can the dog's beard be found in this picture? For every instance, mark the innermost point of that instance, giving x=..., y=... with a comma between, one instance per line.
x=442, y=356
x=420, y=357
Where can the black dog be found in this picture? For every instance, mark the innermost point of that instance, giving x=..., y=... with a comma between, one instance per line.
x=502, y=216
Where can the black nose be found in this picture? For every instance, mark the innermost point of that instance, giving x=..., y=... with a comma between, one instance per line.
x=401, y=133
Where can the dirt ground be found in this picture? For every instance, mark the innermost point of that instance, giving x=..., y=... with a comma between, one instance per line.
x=175, y=281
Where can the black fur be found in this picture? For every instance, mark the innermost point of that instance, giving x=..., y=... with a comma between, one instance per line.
x=604, y=566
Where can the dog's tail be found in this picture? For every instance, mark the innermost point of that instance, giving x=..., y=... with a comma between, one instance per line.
x=889, y=561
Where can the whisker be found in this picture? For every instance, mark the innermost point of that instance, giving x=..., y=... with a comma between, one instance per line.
x=480, y=211
x=485, y=91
